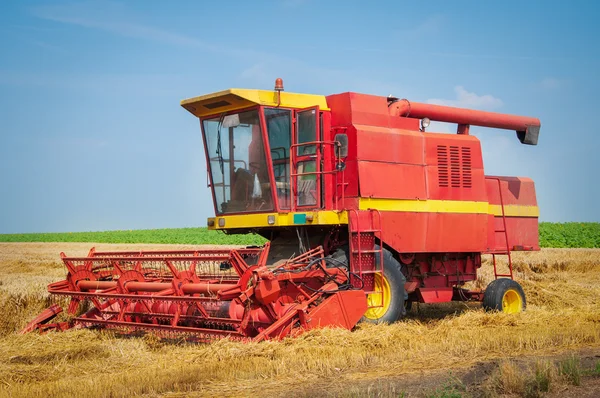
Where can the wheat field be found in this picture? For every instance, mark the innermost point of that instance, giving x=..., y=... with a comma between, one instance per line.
x=563, y=316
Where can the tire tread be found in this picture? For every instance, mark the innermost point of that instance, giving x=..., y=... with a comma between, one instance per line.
x=492, y=297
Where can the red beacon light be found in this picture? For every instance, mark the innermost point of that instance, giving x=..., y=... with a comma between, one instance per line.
x=279, y=89
x=279, y=84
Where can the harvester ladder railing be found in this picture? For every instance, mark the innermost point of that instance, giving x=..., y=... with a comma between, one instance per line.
x=358, y=252
x=504, y=230
x=318, y=173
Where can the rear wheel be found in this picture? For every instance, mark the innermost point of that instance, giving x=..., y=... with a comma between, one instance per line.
x=504, y=295
x=388, y=307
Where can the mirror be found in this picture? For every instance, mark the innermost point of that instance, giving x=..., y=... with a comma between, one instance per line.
x=343, y=140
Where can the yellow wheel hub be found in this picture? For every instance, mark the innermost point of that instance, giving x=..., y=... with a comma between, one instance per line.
x=512, y=302
x=377, y=302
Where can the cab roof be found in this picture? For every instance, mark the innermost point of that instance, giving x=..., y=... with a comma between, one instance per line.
x=238, y=98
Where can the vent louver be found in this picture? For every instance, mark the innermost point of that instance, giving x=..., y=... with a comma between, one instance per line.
x=466, y=167
x=442, y=153
x=454, y=167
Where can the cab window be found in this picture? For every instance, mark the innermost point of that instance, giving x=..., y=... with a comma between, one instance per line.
x=279, y=130
x=307, y=129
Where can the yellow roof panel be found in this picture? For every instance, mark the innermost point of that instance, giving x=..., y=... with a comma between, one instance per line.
x=236, y=98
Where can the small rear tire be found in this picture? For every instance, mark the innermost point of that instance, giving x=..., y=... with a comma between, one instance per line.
x=504, y=295
x=394, y=295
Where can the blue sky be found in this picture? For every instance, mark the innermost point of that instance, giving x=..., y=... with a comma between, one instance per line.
x=93, y=137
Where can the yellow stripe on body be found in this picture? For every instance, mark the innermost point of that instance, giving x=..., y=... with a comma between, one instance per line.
x=515, y=210
x=323, y=217
x=424, y=206
x=329, y=217
x=447, y=206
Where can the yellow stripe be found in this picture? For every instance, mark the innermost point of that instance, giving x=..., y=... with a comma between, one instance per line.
x=329, y=217
x=424, y=206
x=515, y=210
x=325, y=217
x=447, y=206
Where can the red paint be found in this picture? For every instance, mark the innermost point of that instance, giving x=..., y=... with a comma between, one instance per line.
x=216, y=293
x=461, y=116
x=207, y=294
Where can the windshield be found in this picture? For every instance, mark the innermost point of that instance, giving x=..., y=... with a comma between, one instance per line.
x=237, y=163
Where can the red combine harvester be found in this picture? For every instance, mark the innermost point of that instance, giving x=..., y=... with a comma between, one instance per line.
x=365, y=212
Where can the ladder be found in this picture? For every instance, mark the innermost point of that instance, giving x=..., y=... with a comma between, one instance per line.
x=363, y=251
x=504, y=231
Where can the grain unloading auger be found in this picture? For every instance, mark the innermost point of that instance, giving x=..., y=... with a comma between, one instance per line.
x=205, y=294
x=382, y=212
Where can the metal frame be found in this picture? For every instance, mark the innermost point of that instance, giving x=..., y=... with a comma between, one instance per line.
x=323, y=153
x=295, y=159
x=504, y=230
x=183, y=292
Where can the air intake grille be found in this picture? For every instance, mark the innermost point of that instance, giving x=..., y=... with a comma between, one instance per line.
x=454, y=166
x=466, y=167
x=442, y=153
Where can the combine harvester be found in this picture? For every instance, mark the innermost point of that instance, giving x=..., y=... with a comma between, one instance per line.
x=365, y=212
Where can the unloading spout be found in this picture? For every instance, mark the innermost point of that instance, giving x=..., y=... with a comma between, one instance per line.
x=527, y=128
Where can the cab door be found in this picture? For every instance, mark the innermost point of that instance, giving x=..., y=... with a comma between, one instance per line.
x=306, y=157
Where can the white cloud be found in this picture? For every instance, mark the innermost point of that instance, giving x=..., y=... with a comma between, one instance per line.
x=466, y=99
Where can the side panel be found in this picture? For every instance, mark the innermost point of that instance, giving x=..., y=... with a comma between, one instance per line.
x=392, y=180
x=429, y=232
x=360, y=116
x=405, y=232
x=521, y=211
x=448, y=232
x=523, y=233
x=390, y=163
x=388, y=145
x=454, y=167
x=435, y=185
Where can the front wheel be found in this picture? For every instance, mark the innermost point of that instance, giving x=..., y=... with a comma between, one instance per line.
x=389, y=307
x=504, y=295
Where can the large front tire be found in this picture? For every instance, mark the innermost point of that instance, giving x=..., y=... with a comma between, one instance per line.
x=504, y=295
x=394, y=294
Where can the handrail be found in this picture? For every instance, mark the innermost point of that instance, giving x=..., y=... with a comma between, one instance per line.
x=504, y=230
x=316, y=157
